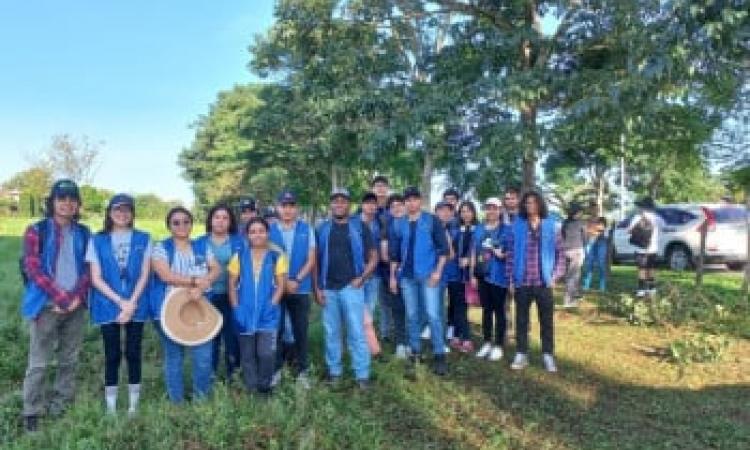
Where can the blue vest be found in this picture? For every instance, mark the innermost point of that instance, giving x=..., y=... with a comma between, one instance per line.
x=102, y=309
x=255, y=311
x=547, y=250
x=34, y=297
x=496, y=269
x=297, y=254
x=236, y=241
x=358, y=249
x=425, y=254
x=451, y=271
x=157, y=287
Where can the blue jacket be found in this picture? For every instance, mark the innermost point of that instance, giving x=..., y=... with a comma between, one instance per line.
x=255, y=311
x=102, y=309
x=547, y=250
x=451, y=271
x=157, y=287
x=358, y=249
x=297, y=254
x=496, y=273
x=34, y=297
x=425, y=253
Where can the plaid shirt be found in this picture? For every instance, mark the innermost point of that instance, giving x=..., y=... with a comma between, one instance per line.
x=533, y=273
x=34, y=267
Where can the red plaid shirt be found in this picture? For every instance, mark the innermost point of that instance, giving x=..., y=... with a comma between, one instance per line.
x=34, y=267
x=533, y=273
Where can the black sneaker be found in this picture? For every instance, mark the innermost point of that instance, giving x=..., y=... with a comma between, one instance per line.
x=441, y=367
x=31, y=423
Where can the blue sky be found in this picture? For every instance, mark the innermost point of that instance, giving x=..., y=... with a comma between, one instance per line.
x=134, y=74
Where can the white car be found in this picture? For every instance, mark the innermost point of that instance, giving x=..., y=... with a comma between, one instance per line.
x=679, y=244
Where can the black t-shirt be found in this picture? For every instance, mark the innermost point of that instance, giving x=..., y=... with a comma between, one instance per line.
x=408, y=271
x=340, y=257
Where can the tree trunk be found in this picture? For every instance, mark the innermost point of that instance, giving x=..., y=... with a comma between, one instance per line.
x=426, y=185
x=334, y=177
x=746, y=281
x=529, y=108
x=600, y=185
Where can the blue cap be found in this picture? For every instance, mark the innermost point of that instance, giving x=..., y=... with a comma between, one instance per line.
x=248, y=203
x=65, y=188
x=286, y=197
x=340, y=192
x=121, y=199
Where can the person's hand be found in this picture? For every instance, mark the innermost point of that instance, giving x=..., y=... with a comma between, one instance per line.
x=463, y=262
x=320, y=297
x=358, y=282
x=73, y=305
x=57, y=310
x=275, y=300
x=292, y=286
x=124, y=317
x=498, y=253
x=202, y=283
x=127, y=306
x=434, y=279
x=393, y=285
x=474, y=283
x=196, y=293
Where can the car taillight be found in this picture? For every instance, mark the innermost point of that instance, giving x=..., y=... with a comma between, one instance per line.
x=710, y=220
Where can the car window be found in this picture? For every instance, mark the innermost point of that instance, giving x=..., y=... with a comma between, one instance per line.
x=626, y=221
x=729, y=215
x=675, y=216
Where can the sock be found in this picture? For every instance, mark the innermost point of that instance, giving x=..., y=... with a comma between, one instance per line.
x=134, y=394
x=110, y=397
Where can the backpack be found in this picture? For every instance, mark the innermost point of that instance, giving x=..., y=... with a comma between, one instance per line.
x=41, y=231
x=640, y=235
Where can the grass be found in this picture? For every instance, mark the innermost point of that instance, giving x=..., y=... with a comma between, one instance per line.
x=612, y=392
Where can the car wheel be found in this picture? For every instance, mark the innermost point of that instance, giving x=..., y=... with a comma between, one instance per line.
x=679, y=257
x=736, y=266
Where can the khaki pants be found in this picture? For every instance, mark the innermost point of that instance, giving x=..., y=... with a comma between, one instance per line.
x=59, y=336
x=574, y=258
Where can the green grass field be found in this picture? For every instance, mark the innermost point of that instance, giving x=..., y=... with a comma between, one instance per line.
x=612, y=391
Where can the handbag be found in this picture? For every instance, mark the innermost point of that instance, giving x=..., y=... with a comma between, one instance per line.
x=471, y=294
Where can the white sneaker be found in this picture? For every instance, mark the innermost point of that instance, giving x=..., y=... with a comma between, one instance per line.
x=446, y=349
x=276, y=378
x=520, y=362
x=449, y=333
x=640, y=293
x=400, y=351
x=426, y=332
x=303, y=381
x=651, y=292
x=496, y=354
x=484, y=351
x=549, y=363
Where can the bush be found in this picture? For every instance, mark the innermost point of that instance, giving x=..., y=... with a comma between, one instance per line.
x=698, y=348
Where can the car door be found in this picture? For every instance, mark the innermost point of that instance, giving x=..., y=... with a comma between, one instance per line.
x=623, y=247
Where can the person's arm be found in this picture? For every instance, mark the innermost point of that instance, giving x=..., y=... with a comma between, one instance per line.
x=371, y=255
x=281, y=271
x=233, y=278
x=559, y=270
x=441, y=247
x=161, y=267
x=98, y=282
x=32, y=263
x=145, y=273
x=509, y=256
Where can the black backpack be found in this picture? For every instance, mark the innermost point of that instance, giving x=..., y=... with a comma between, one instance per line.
x=640, y=235
x=41, y=231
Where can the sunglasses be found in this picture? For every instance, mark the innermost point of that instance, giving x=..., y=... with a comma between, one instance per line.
x=177, y=223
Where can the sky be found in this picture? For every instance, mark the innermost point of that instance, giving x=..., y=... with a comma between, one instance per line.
x=134, y=74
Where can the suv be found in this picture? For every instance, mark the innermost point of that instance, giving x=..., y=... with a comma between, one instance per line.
x=679, y=244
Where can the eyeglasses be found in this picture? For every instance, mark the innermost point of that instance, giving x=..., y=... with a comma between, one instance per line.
x=177, y=223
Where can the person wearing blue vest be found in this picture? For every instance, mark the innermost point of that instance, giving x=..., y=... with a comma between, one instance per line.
x=368, y=218
x=119, y=257
x=181, y=262
x=257, y=275
x=535, y=261
x=346, y=259
x=224, y=241
x=490, y=278
x=297, y=239
x=54, y=301
x=445, y=213
x=417, y=261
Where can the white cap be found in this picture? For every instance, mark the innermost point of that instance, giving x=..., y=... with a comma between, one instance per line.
x=493, y=201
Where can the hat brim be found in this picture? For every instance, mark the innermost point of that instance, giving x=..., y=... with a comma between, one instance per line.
x=187, y=321
x=344, y=196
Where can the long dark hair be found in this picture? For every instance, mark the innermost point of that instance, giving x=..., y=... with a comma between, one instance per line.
x=468, y=204
x=49, y=208
x=543, y=211
x=176, y=210
x=217, y=208
x=109, y=223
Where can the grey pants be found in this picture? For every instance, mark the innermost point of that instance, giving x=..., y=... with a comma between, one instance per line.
x=59, y=336
x=258, y=359
x=574, y=258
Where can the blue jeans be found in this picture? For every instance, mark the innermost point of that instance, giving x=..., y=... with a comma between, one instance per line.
x=372, y=294
x=173, y=361
x=416, y=292
x=347, y=305
x=228, y=335
x=596, y=254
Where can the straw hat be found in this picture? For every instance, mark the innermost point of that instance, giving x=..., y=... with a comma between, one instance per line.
x=188, y=321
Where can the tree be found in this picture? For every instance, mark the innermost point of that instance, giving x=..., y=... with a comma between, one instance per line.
x=34, y=185
x=70, y=157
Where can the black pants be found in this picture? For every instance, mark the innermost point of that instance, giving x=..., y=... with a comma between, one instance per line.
x=492, y=298
x=459, y=318
x=113, y=351
x=298, y=308
x=398, y=311
x=546, y=308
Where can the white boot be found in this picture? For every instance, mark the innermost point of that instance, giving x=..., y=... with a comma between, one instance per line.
x=134, y=395
x=110, y=398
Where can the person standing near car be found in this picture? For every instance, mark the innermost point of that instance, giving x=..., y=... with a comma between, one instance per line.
x=645, y=229
x=574, y=240
x=54, y=301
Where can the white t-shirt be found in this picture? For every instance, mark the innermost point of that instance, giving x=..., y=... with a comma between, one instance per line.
x=658, y=226
x=184, y=263
x=120, y=247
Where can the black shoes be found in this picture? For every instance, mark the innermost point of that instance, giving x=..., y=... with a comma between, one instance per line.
x=441, y=367
x=31, y=423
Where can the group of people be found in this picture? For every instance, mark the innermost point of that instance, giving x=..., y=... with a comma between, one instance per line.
x=386, y=266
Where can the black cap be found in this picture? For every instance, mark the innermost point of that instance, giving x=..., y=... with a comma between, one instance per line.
x=412, y=191
x=452, y=191
x=443, y=204
x=369, y=197
x=121, y=200
x=286, y=198
x=248, y=203
x=340, y=192
x=268, y=213
x=65, y=188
